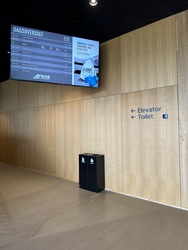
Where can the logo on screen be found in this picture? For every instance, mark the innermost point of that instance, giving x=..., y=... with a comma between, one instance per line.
x=41, y=77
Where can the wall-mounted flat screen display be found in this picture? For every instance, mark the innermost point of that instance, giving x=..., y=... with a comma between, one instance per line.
x=42, y=56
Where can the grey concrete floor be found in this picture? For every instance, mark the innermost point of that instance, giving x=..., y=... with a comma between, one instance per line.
x=43, y=212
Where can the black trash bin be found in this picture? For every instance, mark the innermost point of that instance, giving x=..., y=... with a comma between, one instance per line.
x=91, y=172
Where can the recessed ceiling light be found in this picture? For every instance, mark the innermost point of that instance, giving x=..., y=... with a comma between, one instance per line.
x=93, y=2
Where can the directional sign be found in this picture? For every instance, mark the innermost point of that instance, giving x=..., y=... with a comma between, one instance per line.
x=146, y=113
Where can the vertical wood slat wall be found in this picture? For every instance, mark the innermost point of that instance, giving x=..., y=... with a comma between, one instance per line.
x=182, y=30
x=44, y=127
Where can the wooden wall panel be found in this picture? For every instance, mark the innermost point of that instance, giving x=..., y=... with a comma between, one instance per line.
x=150, y=145
x=12, y=142
x=36, y=137
x=8, y=137
x=43, y=94
x=2, y=136
x=109, y=70
x=148, y=57
x=182, y=27
x=1, y=97
x=46, y=148
x=69, y=139
x=10, y=95
x=33, y=94
x=25, y=94
x=102, y=135
x=67, y=93
x=25, y=137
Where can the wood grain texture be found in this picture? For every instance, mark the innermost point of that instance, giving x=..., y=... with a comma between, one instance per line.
x=32, y=94
x=1, y=96
x=150, y=145
x=69, y=129
x=25, y=135
x=148, y=57
x=67, y=93
x=102, y=135
x=10, y=100
x=8, y=137
x=182, y=28
x=25, y=93
x=45, y=118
